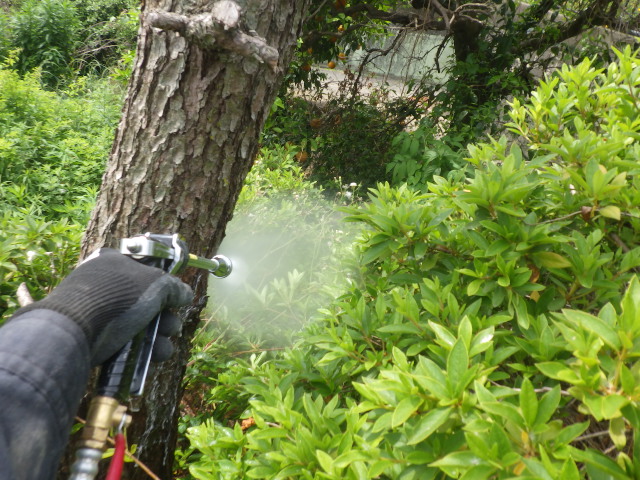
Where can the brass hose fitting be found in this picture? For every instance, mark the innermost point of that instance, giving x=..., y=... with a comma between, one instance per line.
x=105, y=413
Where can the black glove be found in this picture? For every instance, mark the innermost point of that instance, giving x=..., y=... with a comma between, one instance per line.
x=112, y=298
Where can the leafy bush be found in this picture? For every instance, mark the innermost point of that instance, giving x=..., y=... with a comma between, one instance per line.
x=285, y=241
x=5, y=36
x=341, y=138
x=52, y=153
x=356, y=134
x=35, y=252
x=108, y=29
x=63, y=38
x=53, y=146
x=490, y=329
x=421, y=154
x=45, y=32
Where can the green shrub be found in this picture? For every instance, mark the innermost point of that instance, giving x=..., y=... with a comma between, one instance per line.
x=491, y=327
x=421, y=154
x=341, y=139
x=45, y=32
x=108, y=29
x=35, y=252
x=356, y=136
x=53, y=147
x=5, y=35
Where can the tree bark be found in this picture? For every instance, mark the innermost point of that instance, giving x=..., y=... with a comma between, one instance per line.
x=187, y=138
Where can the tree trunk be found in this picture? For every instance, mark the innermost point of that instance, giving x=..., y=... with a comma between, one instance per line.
x=187, y=139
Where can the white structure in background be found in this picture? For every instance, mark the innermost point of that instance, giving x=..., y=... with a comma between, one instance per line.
x=414, y=55
x=395, y=60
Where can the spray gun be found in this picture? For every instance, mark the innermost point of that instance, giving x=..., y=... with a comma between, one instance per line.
x=123, y=376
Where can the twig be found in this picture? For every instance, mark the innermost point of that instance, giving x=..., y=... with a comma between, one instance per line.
x=559, y=219
x=536, y=390
x=473, y=7
x=256, y=350
x=591, y=435
x=317, y=10
x=618, y=241
x=370, y=52
x=444, y=13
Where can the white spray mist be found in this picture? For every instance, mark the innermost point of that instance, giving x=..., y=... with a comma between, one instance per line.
x=285, y=256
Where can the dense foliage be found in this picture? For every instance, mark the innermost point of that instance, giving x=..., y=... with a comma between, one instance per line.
x=61, y=37
x=500, y=49
x=490, y=329
x=53, y=147
x=485, y=322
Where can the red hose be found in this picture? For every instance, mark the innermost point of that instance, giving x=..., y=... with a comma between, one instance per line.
x=117, y=461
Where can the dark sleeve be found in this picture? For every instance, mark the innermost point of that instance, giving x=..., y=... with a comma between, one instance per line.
x=44, y=368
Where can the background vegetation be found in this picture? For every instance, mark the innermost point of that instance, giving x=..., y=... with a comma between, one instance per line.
x=475, y=314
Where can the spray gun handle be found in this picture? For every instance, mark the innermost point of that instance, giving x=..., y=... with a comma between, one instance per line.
x=124, y=374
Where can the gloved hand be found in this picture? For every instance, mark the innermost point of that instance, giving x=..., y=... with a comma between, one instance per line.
x=112, y=298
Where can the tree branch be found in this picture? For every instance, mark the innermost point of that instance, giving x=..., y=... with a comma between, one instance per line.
x=220, y=28
x=376, y=14
x=589, y=17
x=443, y=12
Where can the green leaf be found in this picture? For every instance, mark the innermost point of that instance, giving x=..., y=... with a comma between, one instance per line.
x=474, y=286
x=260, y=472
x=605, y=407
x=570, y=433
x=632, y=413
x=528, y=403
x=399, y=358
x=375, y=252
x=383, y=422
x=464, y=459
x=407, y=407
x=504, y=410
x=630, y=317
x=428, y=424
x=617, y=432
x=496, y=248
x=550, y=260
x=400, y=328
x=479, y=472
x=465, y=330
x=311, y=408
x=481, y=341
x=349, y=457
x=548, y=405
x=457, y=364
x=538, y=469
x=522, y=313
x=595, y=325
x=325, y=460
x=378, y=468
x=627, y=380
x=442, y=333
x=610, y=211
x=599, y=462
x=511, y=211
x=269, y=433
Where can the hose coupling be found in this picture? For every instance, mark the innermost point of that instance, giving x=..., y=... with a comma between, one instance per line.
x=105, y=414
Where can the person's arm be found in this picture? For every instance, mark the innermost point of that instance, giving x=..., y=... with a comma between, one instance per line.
x=48, y=348
x=44, y=367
